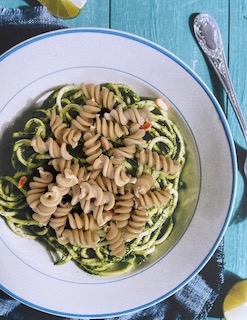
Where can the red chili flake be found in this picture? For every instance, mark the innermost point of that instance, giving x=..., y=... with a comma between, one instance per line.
x=22, y=182
x=146, y=126
x=59, y=143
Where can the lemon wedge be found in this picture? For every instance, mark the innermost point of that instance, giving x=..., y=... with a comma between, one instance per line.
x=65, y=9
x=235, y=302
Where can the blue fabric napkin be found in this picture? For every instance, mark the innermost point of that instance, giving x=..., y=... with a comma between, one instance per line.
x=17, y=25
x=196, y=299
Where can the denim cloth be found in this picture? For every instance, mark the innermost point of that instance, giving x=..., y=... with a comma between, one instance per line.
x=194, y=300
x=17, y=25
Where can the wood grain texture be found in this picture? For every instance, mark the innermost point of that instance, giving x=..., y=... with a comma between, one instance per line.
x=236, y=236
x=238, y=59
x=95, y=14
x=168, y=23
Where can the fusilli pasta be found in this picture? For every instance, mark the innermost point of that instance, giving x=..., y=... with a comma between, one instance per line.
x=103, y=168
x=115, y=240
x=135, y=224
x=159, y=162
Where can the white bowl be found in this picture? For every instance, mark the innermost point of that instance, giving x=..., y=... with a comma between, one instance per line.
x=101, y=55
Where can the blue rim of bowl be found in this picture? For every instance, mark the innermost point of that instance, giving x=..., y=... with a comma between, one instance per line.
x=224, y=122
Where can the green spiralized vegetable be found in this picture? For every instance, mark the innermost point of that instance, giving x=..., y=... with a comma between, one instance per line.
x=163, y=137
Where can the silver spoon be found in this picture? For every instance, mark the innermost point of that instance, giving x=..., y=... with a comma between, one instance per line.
x=209, y=38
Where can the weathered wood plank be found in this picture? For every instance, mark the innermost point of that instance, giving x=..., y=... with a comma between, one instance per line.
x=95, y=14
x=168, y=23
x=236, y=236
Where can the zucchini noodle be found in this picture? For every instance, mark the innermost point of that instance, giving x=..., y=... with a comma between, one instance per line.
x=96, y=172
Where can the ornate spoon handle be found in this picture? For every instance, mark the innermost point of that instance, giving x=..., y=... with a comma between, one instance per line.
x=209, y=38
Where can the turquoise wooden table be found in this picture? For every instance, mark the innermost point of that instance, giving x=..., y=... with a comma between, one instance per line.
x=168, y=23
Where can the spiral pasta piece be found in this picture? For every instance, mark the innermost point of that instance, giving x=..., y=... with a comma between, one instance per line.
x=85, y=119
x=88, y=238
x=99, y=212
x=115, y=240
x=89, y=222
x=108, y=98
x=135, y=137
x=62, y=189
x=81, y=173
x=105, y=164
x=33, y=197
x=50, y=145
x=47, y=205
x=57, y=151
x=87, y=206
x=110, y=129
x=59, y=218
x=38, y=187
x=143, y=184
x=39, y=145
x=108, y=200
x=125, y=152
x=159, y=162
x=82, y=221
x=135, y=224
x=132, y=114
x=153, y=198
x=57, y=125
x=135, y=115
x=51, y=198
x=66, y=179
x=91, y=109
x=101, y=216
x=121, y=177
x=91, y=191
x=123, y=209
x=91, y=91
x=41, y=199
x=118, y=115
x=62, y=132
x=92, y=146
x=107, y=184
x=71, y=136
x=60, y=165
x=43, y=214
x=103, y=96
x=75, y=193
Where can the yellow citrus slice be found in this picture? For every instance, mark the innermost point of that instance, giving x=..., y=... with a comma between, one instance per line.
x=235, y=302
x=64, y=9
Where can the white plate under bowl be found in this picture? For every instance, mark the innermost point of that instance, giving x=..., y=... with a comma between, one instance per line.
x=92, y=55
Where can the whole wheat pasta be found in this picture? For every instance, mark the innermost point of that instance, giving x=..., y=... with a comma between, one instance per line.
x=100, y=179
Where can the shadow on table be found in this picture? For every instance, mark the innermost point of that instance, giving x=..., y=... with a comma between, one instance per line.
x=32, y=3
x=241, y=211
